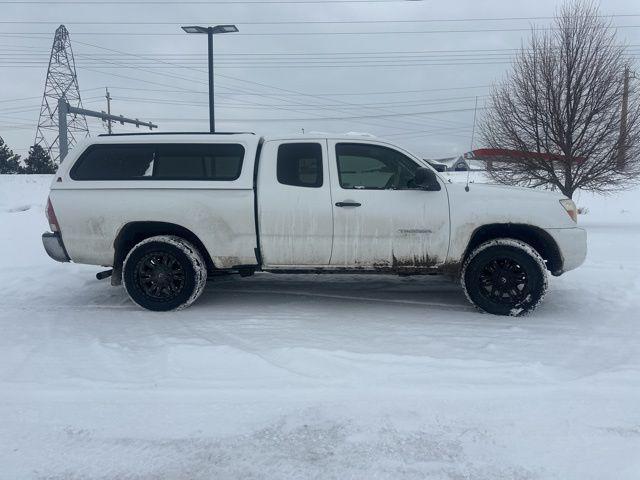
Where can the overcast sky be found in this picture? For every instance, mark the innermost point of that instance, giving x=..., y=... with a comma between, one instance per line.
x=418, y=89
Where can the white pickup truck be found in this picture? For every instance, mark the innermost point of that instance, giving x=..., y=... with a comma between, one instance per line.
x=165, y=211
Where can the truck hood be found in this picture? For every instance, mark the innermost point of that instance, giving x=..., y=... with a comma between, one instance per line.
x=491, y=203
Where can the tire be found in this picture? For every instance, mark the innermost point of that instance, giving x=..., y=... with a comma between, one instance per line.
x=164, y=273
x=504, y=277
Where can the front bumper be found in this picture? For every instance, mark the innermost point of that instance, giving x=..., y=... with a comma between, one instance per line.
x=572, y=243
x=54, y=247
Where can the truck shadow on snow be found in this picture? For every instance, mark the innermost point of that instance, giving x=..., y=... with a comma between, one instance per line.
x=369, y=291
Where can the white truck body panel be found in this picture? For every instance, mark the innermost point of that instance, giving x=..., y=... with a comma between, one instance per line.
x=89, y=230
x=497, y=204
x=391, y=228
x=296, y=223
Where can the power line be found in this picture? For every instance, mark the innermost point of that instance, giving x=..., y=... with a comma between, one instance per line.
x=40, y=96
x=189, y=2
x=248, y=57
x=408, y=103
x=300, y=22
x=231, y=58
x=186, y=59
x=420, y=133
x=354, y=117
x=263, y=34
x=289, y=66
x=328, y=63
x=292, y=65
x=321, y=94
x=464, y=51
x=307, y=60
x=22, y=109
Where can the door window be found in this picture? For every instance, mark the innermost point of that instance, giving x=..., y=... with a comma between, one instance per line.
x=373, y=167
x=300, y=164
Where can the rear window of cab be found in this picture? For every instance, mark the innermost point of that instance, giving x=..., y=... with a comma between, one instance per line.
x=206, y=161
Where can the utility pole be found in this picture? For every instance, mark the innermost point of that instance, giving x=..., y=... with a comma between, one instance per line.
x=65, y=109
x=622, y=148
x=212, y=119
x=108, y=97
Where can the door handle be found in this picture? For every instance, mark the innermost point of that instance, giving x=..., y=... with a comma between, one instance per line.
x=348, y=204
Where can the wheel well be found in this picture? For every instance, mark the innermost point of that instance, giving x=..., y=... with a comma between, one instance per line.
x=134, y=232
x=540, y=240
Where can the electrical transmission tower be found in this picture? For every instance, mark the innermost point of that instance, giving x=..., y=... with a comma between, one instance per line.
x=61, y=83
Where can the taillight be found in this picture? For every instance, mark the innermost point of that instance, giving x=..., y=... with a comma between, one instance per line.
x=51, y=217
x=571, y=208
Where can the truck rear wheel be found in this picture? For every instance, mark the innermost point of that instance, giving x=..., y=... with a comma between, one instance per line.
x=504, y=277
x=164, y=273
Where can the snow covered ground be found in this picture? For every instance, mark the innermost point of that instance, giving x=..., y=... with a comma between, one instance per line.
x=317, y=377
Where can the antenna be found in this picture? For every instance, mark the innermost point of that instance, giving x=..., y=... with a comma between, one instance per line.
x=473, y=132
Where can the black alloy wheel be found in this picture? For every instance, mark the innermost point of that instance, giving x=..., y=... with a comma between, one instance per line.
x=505, y=281
x=505, y=277
x=160, y=275
x=164, y=273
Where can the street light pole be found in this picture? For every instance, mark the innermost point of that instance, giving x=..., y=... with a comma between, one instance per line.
x=212, y=118
x=211, y=31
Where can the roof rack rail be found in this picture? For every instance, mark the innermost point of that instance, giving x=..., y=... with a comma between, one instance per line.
x=172, y=133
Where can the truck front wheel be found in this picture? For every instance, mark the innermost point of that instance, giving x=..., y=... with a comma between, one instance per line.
x=504, y=277
x=164, y=273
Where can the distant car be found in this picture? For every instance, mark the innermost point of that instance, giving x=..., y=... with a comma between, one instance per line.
x=453, y=164
x=166, y=211
x=459, y=164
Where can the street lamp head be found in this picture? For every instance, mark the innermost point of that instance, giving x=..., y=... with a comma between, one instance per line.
x=225, y=29
x=194, y=29
x=216, y=29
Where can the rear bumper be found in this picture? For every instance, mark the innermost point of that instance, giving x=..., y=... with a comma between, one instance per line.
x=54, y=247
x=572, y=243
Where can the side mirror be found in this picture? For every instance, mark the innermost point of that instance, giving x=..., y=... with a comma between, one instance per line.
x=426, y=179
x=437, y=166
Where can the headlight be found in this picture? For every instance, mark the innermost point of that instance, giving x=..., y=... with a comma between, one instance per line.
x=571, y=208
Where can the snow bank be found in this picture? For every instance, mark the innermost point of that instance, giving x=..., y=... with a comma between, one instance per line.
x=23, y=192
x=23, y=199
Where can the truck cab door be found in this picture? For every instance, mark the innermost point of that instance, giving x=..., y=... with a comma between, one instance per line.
x=381, y=220
x=295, y=218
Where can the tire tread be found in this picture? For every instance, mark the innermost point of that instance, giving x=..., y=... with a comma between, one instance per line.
x=520, y=245
x=197, y=262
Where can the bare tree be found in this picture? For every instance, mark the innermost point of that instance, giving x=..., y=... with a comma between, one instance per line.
x=563, y=101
